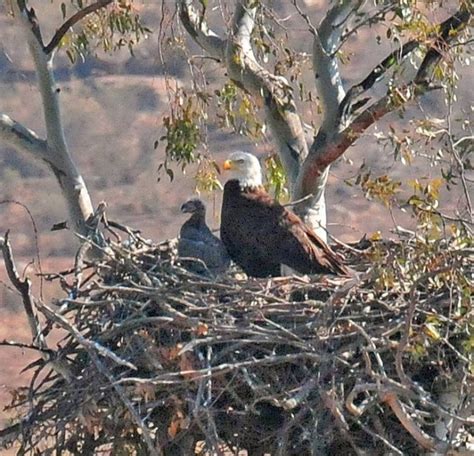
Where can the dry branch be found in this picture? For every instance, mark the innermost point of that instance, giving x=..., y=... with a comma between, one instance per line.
x=283, y=366
x=24, y=288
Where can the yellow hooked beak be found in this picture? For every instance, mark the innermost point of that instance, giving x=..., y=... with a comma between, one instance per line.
x=228, y=164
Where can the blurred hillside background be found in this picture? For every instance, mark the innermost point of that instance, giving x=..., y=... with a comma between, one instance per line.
x=113, y=107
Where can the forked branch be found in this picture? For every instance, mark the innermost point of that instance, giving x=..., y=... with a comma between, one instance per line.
x=55, y=150
x=325, y=152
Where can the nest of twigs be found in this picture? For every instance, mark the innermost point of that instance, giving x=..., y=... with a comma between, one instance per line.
x=156, y=360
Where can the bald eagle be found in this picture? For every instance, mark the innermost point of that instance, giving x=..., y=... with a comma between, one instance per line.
x=197, y=241
x=260, y=234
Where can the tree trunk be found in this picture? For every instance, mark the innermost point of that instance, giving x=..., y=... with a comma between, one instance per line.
x=307, y=166
x=54, y=150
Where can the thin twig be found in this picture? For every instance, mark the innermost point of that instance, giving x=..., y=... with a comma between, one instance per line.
x=24, y=287
x=73, y=20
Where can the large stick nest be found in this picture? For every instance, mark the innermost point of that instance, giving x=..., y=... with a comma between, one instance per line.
x=157, y=360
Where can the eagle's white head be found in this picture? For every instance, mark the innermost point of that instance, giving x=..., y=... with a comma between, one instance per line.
x=245, y=168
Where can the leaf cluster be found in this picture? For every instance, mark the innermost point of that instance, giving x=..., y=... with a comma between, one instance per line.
x=109, y=29
x=238, y=111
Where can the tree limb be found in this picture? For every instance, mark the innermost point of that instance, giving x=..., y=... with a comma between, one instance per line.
x=24, y=288
x=326, y=150
x=58, y=156
x=197, y=28
x=329, y=151
x=22, y=138
x=325, y=64
x=281, y=111
x=390, y=398
x=74, y=19
x=375, y=75
x=12, y=343
x=243, y=24
x=330, y=92
x=30, y=16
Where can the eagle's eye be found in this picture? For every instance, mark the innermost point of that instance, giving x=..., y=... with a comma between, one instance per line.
x=240, y=160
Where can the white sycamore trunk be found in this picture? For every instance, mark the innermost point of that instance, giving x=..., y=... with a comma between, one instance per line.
x=282, y=117
x=307, y=166
x=53, y=150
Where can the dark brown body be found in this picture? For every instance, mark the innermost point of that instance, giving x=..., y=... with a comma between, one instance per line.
x=260, y=235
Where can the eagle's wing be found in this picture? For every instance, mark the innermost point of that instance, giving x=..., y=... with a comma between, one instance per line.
x=218, y=260
x=286, y=239
x=303, y=250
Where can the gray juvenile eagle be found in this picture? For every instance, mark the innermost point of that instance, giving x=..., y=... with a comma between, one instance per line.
x=261, y=235
x=197, y=241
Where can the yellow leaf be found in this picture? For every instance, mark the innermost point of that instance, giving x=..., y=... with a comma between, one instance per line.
x=376, y=236
x=431, y=331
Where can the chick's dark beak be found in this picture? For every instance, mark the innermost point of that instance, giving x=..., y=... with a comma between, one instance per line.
x=186, y=208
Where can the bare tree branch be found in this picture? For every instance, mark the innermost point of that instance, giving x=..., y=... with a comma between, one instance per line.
x=24, y=288
x=12, y=343
x=22, y=138
x=30, y=16
x=390, y=398
x=74, y=19
x=197, y=28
